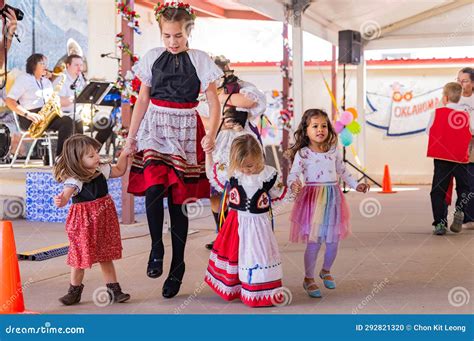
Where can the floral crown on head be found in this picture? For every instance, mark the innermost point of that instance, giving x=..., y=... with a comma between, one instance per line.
x=161, y=7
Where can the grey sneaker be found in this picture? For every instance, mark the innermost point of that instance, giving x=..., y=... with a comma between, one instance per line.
x=440, y=229
x=456, y=225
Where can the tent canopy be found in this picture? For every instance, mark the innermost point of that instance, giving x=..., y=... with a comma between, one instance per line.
x=223, y=9
x=384, y=24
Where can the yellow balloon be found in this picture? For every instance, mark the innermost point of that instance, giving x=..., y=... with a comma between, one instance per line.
x=353, y=111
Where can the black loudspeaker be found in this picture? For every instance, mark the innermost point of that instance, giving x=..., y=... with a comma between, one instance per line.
x=350, y=47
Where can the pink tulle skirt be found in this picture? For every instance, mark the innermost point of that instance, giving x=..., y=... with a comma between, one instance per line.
x=320, y=214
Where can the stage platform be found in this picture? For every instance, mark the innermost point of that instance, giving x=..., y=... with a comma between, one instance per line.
x=27, y=192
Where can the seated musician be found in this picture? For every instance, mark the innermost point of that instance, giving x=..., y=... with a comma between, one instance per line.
x=30, y=92
x=75, y=77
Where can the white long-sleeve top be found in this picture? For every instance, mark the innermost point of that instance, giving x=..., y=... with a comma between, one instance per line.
x=250, y=92
x=320, y=168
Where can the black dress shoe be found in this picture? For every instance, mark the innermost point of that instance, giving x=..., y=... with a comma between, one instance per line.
x=171, y=287
x=155, y=266
x=210, y=245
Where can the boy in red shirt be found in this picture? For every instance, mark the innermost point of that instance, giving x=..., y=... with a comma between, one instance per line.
x=449, y=137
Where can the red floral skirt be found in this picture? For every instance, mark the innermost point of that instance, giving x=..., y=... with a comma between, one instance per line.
x=93, y=231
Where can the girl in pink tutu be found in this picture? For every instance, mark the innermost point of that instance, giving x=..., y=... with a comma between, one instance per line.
x=320, y=213
x=92, y=225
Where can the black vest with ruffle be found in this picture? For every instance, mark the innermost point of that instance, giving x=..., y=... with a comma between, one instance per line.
x=258, y=203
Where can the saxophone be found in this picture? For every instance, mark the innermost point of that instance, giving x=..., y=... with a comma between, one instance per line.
x=48, y=112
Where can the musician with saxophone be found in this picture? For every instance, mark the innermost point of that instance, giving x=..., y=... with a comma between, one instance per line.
x=31, y=92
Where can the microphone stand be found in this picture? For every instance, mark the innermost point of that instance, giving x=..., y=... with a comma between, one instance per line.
x=73, y=88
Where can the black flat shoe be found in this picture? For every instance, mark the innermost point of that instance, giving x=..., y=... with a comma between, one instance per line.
x=155, y=266
x=210, y=245
x=171, y=287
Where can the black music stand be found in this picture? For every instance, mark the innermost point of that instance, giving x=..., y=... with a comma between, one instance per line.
x=94, y=93
x=112, y=98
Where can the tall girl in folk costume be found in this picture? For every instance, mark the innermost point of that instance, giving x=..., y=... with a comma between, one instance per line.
x=245, y=261
x=320, y=213
x=92, y=225
x=169, y=137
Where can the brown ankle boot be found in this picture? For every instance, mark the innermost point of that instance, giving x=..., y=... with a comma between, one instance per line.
x=73, y=295
x=116, y=294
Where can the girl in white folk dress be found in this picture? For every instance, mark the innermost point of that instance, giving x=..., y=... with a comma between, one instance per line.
x=245, y=262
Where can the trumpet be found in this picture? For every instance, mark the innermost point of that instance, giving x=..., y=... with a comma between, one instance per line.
x=56, y=72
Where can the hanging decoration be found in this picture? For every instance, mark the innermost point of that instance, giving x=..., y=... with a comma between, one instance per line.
x=128, y=85
x=286, y=115
x=128, y=15
x=285, y=70
x=266, y=128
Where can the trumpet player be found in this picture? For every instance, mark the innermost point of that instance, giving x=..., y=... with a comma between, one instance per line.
x=30, y=92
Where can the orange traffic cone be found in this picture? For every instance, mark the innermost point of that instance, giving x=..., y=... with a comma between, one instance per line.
x=387, y=183
x=11, y=291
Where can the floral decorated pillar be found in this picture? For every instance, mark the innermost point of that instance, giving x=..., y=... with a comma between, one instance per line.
x=124, y=40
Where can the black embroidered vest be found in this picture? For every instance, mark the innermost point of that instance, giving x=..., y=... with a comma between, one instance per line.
x=258, y=203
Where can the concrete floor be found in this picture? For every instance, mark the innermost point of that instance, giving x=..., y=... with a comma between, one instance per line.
x=392, y=264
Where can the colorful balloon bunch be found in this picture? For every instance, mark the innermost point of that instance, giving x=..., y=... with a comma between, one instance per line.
x=347, y=126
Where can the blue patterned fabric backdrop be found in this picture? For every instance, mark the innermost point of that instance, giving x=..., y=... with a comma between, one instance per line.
x=40, y=188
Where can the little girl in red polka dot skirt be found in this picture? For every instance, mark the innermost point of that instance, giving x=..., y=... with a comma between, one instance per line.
x=92, y=224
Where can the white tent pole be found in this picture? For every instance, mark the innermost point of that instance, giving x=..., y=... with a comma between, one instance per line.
x=298, y=72
x=361, y=101
x=297, y=7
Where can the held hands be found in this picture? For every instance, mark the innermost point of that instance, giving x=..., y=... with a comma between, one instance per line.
x=130, y=146
x=296, y=186
x=60, y=200
x=124, y=153
x=364, y=188
x=208, y=144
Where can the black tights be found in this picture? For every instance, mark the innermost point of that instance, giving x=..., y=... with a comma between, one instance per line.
x=179, y=227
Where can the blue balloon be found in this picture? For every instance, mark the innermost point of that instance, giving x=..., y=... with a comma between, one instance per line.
x=346, y=137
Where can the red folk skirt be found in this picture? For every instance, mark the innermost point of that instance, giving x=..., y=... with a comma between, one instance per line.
x=222, y=273
x=93, y=231
x=187, y=180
